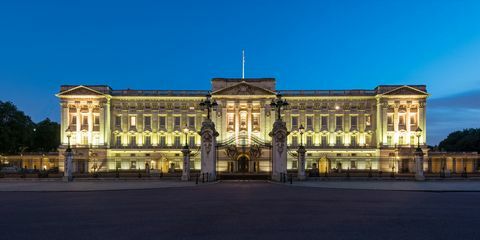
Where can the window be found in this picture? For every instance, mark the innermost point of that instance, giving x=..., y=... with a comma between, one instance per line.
x=133, y=164
x=118, y=121
x=230, y=122
x=74, y=120
x=353, y=141
x=133, y=121
x=163, y=141
x=309, y=122
x=256, y=122
x=294, y=122
x=368, y=120
x=401, y=119
x=133, y=140
x=148, y=140
x=84, y=139
x=390, y=119
x=162, y=122
x=118, y=140
x=413, y=119
x=412, y=139
x=176, y=122
x=118, y=164
x=294, y=140
x=309, y=140
x=338, y=141
x=176, y=141
x=339, y=122
x=353, y=121
x=96, y=120
x=85, y=120
x=324, y=141
x=389, y=140
x=353, y=165
x=148, y=121
x=294, y=164
x=401, y=140
x=243, y=120
x=324, y=122
x=191, y=121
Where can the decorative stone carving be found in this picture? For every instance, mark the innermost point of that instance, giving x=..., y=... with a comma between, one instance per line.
x=208, y=145
x=279, y=151
x=301, y=163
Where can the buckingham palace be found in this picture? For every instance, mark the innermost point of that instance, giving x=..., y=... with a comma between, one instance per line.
x=375, y=129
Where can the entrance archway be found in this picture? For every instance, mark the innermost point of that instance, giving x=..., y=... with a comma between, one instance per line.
x=242, y=163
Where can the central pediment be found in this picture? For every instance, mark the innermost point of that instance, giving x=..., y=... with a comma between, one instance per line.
x=243, y=88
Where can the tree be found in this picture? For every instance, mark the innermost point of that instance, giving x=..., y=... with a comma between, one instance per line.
x=467, y=140
x=46, y=136
x=16, y=129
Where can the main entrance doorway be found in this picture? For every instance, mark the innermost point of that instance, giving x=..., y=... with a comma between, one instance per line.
x=242, y=163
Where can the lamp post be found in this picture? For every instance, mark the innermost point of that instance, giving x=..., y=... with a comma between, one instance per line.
x=419, y=158
x=301, y=129
x=68, y=164
x=208, y=103
x=301, y=156
x=186, y=156
x=418, y=133
x=278, y=103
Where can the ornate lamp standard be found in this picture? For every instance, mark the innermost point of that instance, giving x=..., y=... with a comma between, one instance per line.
x=68, y=164
x=301, y=155
x=186, y=156
x=278, y=103
x=208, y=103
x=419, y=157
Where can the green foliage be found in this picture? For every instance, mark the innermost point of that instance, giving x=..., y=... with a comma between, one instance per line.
x=18, y=133
x=467, y=140
x=16, y=129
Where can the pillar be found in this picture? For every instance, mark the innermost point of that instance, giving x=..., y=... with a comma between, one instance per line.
x=208, y=149
x=301, y=163
x=186, y=163
x=68, y=165
x=419, y=165
x=279, y=149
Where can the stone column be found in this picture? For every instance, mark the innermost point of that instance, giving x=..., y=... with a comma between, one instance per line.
x=68, y=165
x=208, y=148
x=186, y=163
x=279, y=149
x=301, y=163
x=419, y=165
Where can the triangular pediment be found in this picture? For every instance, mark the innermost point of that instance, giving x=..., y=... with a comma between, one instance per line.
x=80, y=90
x=243, y=88
x=405, y=90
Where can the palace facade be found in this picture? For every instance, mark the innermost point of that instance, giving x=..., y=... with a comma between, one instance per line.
x=376, y=129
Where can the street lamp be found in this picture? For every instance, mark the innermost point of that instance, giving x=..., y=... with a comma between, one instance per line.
x=301, y=129
x=278, y=103
x=69, y=135
x=185, y=131
x=418, y=133
x=208, y=104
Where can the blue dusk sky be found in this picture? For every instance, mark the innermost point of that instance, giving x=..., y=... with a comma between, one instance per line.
x=303, y=44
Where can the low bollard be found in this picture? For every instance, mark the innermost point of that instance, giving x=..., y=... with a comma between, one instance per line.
x=196, y=179
x=291, y=178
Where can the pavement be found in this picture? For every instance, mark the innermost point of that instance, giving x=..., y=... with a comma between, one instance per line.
x=20, y=185
x=240, y=210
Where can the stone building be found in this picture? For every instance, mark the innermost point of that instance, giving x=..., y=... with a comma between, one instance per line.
x=353, y=130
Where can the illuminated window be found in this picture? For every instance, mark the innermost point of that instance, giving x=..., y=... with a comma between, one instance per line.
x=353, y=141
x=243, y=120
x=413, y=119
x=230, y=122
x=133, y=164
x=401, y=140
x=294, y=164
x=401, y=119
x=412, y=139
x=73, y=120
x=256, y=122
x=85, y=120
x=368, y=120
x=389, y=140
x=133, y=121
